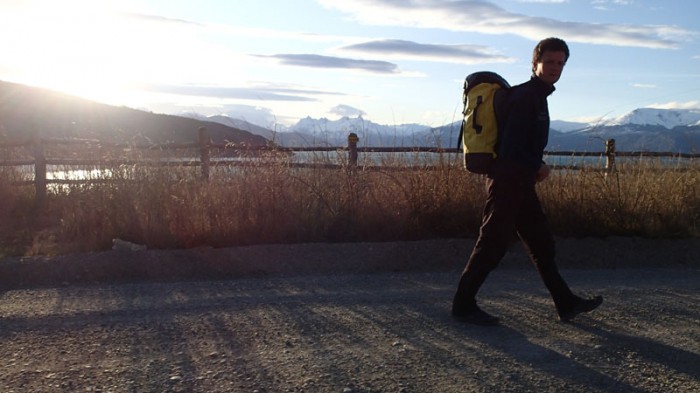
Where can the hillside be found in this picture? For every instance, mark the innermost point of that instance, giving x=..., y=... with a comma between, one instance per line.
x=25, y=109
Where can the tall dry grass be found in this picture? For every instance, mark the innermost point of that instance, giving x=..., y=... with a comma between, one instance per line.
x=646, y=197
x=272, y=202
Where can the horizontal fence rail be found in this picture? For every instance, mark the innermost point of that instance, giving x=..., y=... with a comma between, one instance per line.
x=39, y=162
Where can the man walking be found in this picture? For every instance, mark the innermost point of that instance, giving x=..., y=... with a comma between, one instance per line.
x=512, y=202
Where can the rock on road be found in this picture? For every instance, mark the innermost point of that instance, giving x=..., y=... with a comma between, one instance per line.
x=353, y=332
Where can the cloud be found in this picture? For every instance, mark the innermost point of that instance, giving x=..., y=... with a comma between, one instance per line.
x=602, y=5
x=158, y=19
x=346, y=110
x=462, y=54
x=252, y=114
x=644, y=86
x=262, y=93
x=319, y=61
x=484, y=17
x=677, y=105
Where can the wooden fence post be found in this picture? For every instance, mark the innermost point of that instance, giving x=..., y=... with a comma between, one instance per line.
x=609, y=156
x=39, y=169
x=204, y=144
x=352, y=149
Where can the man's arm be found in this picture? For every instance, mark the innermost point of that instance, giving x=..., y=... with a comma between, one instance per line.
x=542, y=172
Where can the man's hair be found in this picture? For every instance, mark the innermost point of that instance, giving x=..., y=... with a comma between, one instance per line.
x=551, y=44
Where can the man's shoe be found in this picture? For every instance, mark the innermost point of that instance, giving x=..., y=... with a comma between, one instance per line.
x=475, y=316
x=581, y=306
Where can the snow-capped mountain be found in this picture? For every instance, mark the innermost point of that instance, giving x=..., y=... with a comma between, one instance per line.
x=667, y=118
x=645, y=129
x=324, y=132
x=335, y=132
x=567, y=126
x=281, y=137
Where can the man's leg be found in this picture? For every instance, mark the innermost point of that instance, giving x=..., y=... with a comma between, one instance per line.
x=533, y=229
x=494, y=236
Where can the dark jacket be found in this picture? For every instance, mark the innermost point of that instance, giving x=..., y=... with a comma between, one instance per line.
x=525, y=130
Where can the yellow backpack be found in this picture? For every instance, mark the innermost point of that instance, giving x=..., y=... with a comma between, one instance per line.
x=483, y=97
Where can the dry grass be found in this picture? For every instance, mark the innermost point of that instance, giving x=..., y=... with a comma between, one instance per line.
x=272, y=202
x=646, y=198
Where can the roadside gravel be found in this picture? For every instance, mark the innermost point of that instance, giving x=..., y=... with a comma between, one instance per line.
x=369, y=329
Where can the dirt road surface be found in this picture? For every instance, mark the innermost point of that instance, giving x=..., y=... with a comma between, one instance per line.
x=366, y=331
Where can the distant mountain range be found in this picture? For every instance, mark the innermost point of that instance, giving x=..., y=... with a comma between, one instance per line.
x=25, y=110
x=325, y=132
x=645, y=129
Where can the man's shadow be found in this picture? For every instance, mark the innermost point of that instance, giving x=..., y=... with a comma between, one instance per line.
x=578, y=371
x=654, y=352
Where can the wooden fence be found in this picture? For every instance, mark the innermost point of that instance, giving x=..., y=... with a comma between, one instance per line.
x=205, y=147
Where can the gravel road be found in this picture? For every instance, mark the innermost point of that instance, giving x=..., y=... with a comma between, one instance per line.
x=353, y=332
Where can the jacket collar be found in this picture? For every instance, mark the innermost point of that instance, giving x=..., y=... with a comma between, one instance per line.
x=542, y=87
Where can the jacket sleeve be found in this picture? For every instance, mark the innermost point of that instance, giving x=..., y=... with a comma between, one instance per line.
x=518, y=138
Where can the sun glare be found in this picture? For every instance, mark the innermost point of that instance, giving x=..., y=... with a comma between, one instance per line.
x=84, y=48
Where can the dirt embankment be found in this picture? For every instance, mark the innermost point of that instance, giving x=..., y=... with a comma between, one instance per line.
x=124, y=265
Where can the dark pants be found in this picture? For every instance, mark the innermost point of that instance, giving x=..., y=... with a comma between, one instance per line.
x=512, y=205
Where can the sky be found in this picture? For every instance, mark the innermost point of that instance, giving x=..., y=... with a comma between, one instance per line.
x=272, y=62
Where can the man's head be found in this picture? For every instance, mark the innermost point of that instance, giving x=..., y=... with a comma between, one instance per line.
x=549, y=58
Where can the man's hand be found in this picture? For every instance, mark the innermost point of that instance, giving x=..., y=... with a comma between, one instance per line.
x=542, y=173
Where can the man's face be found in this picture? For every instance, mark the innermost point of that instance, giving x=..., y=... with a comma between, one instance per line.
x=550, y=67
